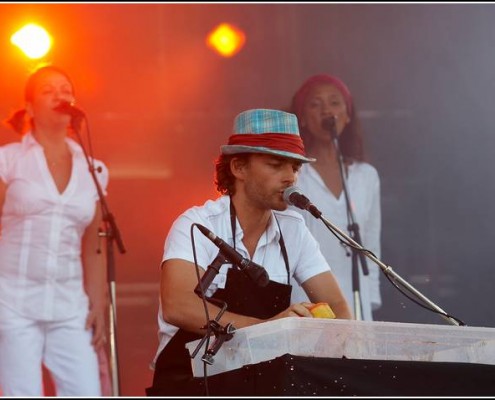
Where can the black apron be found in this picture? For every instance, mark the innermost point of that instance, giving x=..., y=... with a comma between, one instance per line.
x=173, y=374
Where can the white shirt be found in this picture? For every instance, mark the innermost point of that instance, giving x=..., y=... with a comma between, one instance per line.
x=364, y=191
x=41, y=275
x=305, y=258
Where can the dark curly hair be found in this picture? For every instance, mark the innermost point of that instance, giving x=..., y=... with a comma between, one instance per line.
x=224, y=179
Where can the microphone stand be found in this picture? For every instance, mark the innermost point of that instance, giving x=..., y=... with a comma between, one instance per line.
x=353, y=226
x=222, y=334
x=390, y=273
x=111, y=233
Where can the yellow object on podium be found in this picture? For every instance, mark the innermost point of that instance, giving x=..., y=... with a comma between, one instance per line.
x=322, y=310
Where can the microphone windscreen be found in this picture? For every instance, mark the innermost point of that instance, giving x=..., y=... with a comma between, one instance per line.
x=288, y=192
x=262, y=279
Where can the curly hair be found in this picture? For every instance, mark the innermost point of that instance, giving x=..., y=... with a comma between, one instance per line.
x=224, y=179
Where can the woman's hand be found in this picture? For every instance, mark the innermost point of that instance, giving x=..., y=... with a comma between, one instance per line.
x=96, y=321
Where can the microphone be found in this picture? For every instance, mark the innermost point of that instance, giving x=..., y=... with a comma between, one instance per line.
x=69, y=108
x=254, y=271
x=329, y=124
x=294, y=197
x=212, y=271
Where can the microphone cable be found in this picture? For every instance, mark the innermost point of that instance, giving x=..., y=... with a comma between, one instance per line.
x=221, y=304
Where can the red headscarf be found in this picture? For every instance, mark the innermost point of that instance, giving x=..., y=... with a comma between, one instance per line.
x=301, y=95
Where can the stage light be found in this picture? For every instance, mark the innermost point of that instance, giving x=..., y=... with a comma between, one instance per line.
x=33, y=40
x=226, y=39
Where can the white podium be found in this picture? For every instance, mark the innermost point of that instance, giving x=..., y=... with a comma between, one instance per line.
x=363, y=340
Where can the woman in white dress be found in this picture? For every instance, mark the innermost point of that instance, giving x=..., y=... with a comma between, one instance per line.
x=319, y=98
x=53, y=294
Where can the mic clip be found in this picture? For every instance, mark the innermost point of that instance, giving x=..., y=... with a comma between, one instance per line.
x=222, y=334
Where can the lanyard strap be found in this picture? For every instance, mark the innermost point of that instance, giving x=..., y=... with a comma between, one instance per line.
x=281, y=242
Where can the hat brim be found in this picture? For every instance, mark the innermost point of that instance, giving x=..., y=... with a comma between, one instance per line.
x=238, y=149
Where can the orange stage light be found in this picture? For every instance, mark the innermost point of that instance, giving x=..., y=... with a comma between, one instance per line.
x=226, y=39
x=33, y=40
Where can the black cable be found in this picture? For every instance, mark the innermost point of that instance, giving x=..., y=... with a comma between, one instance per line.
x=345, y=242
x=223, y=333
x=205, y=306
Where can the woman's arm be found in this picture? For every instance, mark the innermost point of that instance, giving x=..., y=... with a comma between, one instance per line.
x=95, y=282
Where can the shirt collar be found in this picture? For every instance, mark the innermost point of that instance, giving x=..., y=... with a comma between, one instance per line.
x=272, y=231
x=28, y=141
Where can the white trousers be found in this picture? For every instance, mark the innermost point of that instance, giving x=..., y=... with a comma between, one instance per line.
x=64, y=347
